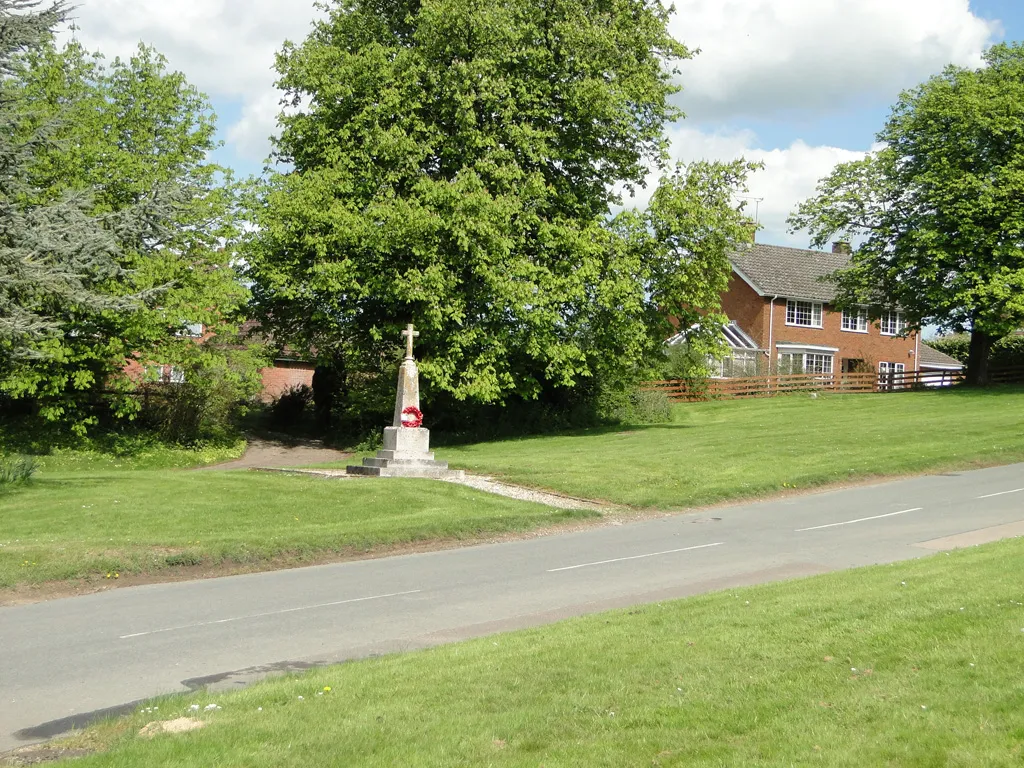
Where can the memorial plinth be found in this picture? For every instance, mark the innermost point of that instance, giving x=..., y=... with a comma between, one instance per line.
x=406, y=451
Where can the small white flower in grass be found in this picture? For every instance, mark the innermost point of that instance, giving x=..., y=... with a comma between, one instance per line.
x=903, y=583
x=300, y=698
x=923, y=707
x=194, y=708
x=212, y=707
x=259, y=709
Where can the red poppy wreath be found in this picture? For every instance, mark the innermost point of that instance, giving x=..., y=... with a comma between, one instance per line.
x=412, y=417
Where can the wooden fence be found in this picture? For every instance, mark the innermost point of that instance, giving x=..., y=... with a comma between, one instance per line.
x=842, y=383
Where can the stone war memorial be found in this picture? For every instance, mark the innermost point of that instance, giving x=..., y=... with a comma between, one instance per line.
x=406, y=451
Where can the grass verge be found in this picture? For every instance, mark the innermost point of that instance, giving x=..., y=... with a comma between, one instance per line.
x=739, y=449
x=69, y=525
x=912, y=664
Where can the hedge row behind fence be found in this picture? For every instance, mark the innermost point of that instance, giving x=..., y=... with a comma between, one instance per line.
x=1006, y=353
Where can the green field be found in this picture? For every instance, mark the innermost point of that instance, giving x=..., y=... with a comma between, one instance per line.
x=912, y=664
x=85, y=522
x=138, y=511
x=733, y=449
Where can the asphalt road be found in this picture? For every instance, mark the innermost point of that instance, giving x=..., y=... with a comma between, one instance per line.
x=64, y=662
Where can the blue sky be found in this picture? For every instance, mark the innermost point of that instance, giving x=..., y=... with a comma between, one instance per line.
x=797, y=84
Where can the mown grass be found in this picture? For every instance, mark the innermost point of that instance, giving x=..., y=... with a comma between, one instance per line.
x=733, y=449
x=912, y=664
x=74, y=524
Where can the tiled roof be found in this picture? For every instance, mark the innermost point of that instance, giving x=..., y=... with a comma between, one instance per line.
x=932, y=356
x=790, y=272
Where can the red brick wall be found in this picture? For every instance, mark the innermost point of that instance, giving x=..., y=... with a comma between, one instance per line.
x=284, y=375
x=750, y=312
x=872, y=347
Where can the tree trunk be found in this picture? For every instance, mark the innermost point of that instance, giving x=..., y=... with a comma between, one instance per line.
x=977, y=358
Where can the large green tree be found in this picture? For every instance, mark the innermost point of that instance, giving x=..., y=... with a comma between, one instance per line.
x=57, y=252
x=940, y=207
x=453, y=163
x=119, y=134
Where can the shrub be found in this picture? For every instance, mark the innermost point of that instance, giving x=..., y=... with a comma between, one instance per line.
x=17, y=469
x=642, y=407
x=1006, y=353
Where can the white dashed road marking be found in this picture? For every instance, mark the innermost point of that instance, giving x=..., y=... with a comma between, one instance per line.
x=859, y=520
x=1001, y=493
x=269, y=613
x=634, y=557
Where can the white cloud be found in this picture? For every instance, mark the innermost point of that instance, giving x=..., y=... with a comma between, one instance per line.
x=759, y=56
x=790, y=175
x=762, y=56
x=250, y=136
x=225, y=47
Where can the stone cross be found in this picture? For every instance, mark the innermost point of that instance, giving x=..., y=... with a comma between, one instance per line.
x=410, y=333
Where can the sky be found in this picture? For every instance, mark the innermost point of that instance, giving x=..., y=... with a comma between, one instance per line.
x=799, y=85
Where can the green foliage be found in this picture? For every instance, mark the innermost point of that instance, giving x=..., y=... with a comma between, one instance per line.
x=208, y=403
x=118, y=133
x=16, y=469
x=1007, y=352
x=940, y=207
x=452, y=163
x=56, y=251
x=643, y=407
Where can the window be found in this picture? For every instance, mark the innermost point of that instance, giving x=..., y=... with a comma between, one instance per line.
x=806, y=313
x=740, y=363
x=176, y=375
x=804, y=362
x=817, y=363
x=855, y=320
x=891, y=373
x=892, y=324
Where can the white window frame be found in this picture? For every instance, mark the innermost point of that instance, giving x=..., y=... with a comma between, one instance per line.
x=818, y=360
x=897, y=369
x=808, y=359
x=855, y=320
x=813, y=309
x=892, y=320
x=175, y=375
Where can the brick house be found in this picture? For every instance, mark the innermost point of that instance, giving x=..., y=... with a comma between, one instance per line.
x=286, y=372
x=782, y=318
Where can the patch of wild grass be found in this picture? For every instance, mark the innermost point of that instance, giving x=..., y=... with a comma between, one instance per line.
x=16, y=469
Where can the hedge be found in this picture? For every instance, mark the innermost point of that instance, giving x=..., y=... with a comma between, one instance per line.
x=1006, y=352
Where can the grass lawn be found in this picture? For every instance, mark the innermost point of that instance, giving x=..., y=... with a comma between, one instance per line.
x=86, y=517
x=733, y=449
x=912, y=664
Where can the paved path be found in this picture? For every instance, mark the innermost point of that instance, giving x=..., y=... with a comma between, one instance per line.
x=269, y=453
x=64, y=661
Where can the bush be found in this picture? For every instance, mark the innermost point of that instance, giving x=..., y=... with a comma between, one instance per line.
x=17, y=469
x=645, y=407
x=204, y=407
x=1006, y=353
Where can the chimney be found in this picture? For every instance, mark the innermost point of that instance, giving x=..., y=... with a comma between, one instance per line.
x=841, y=246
